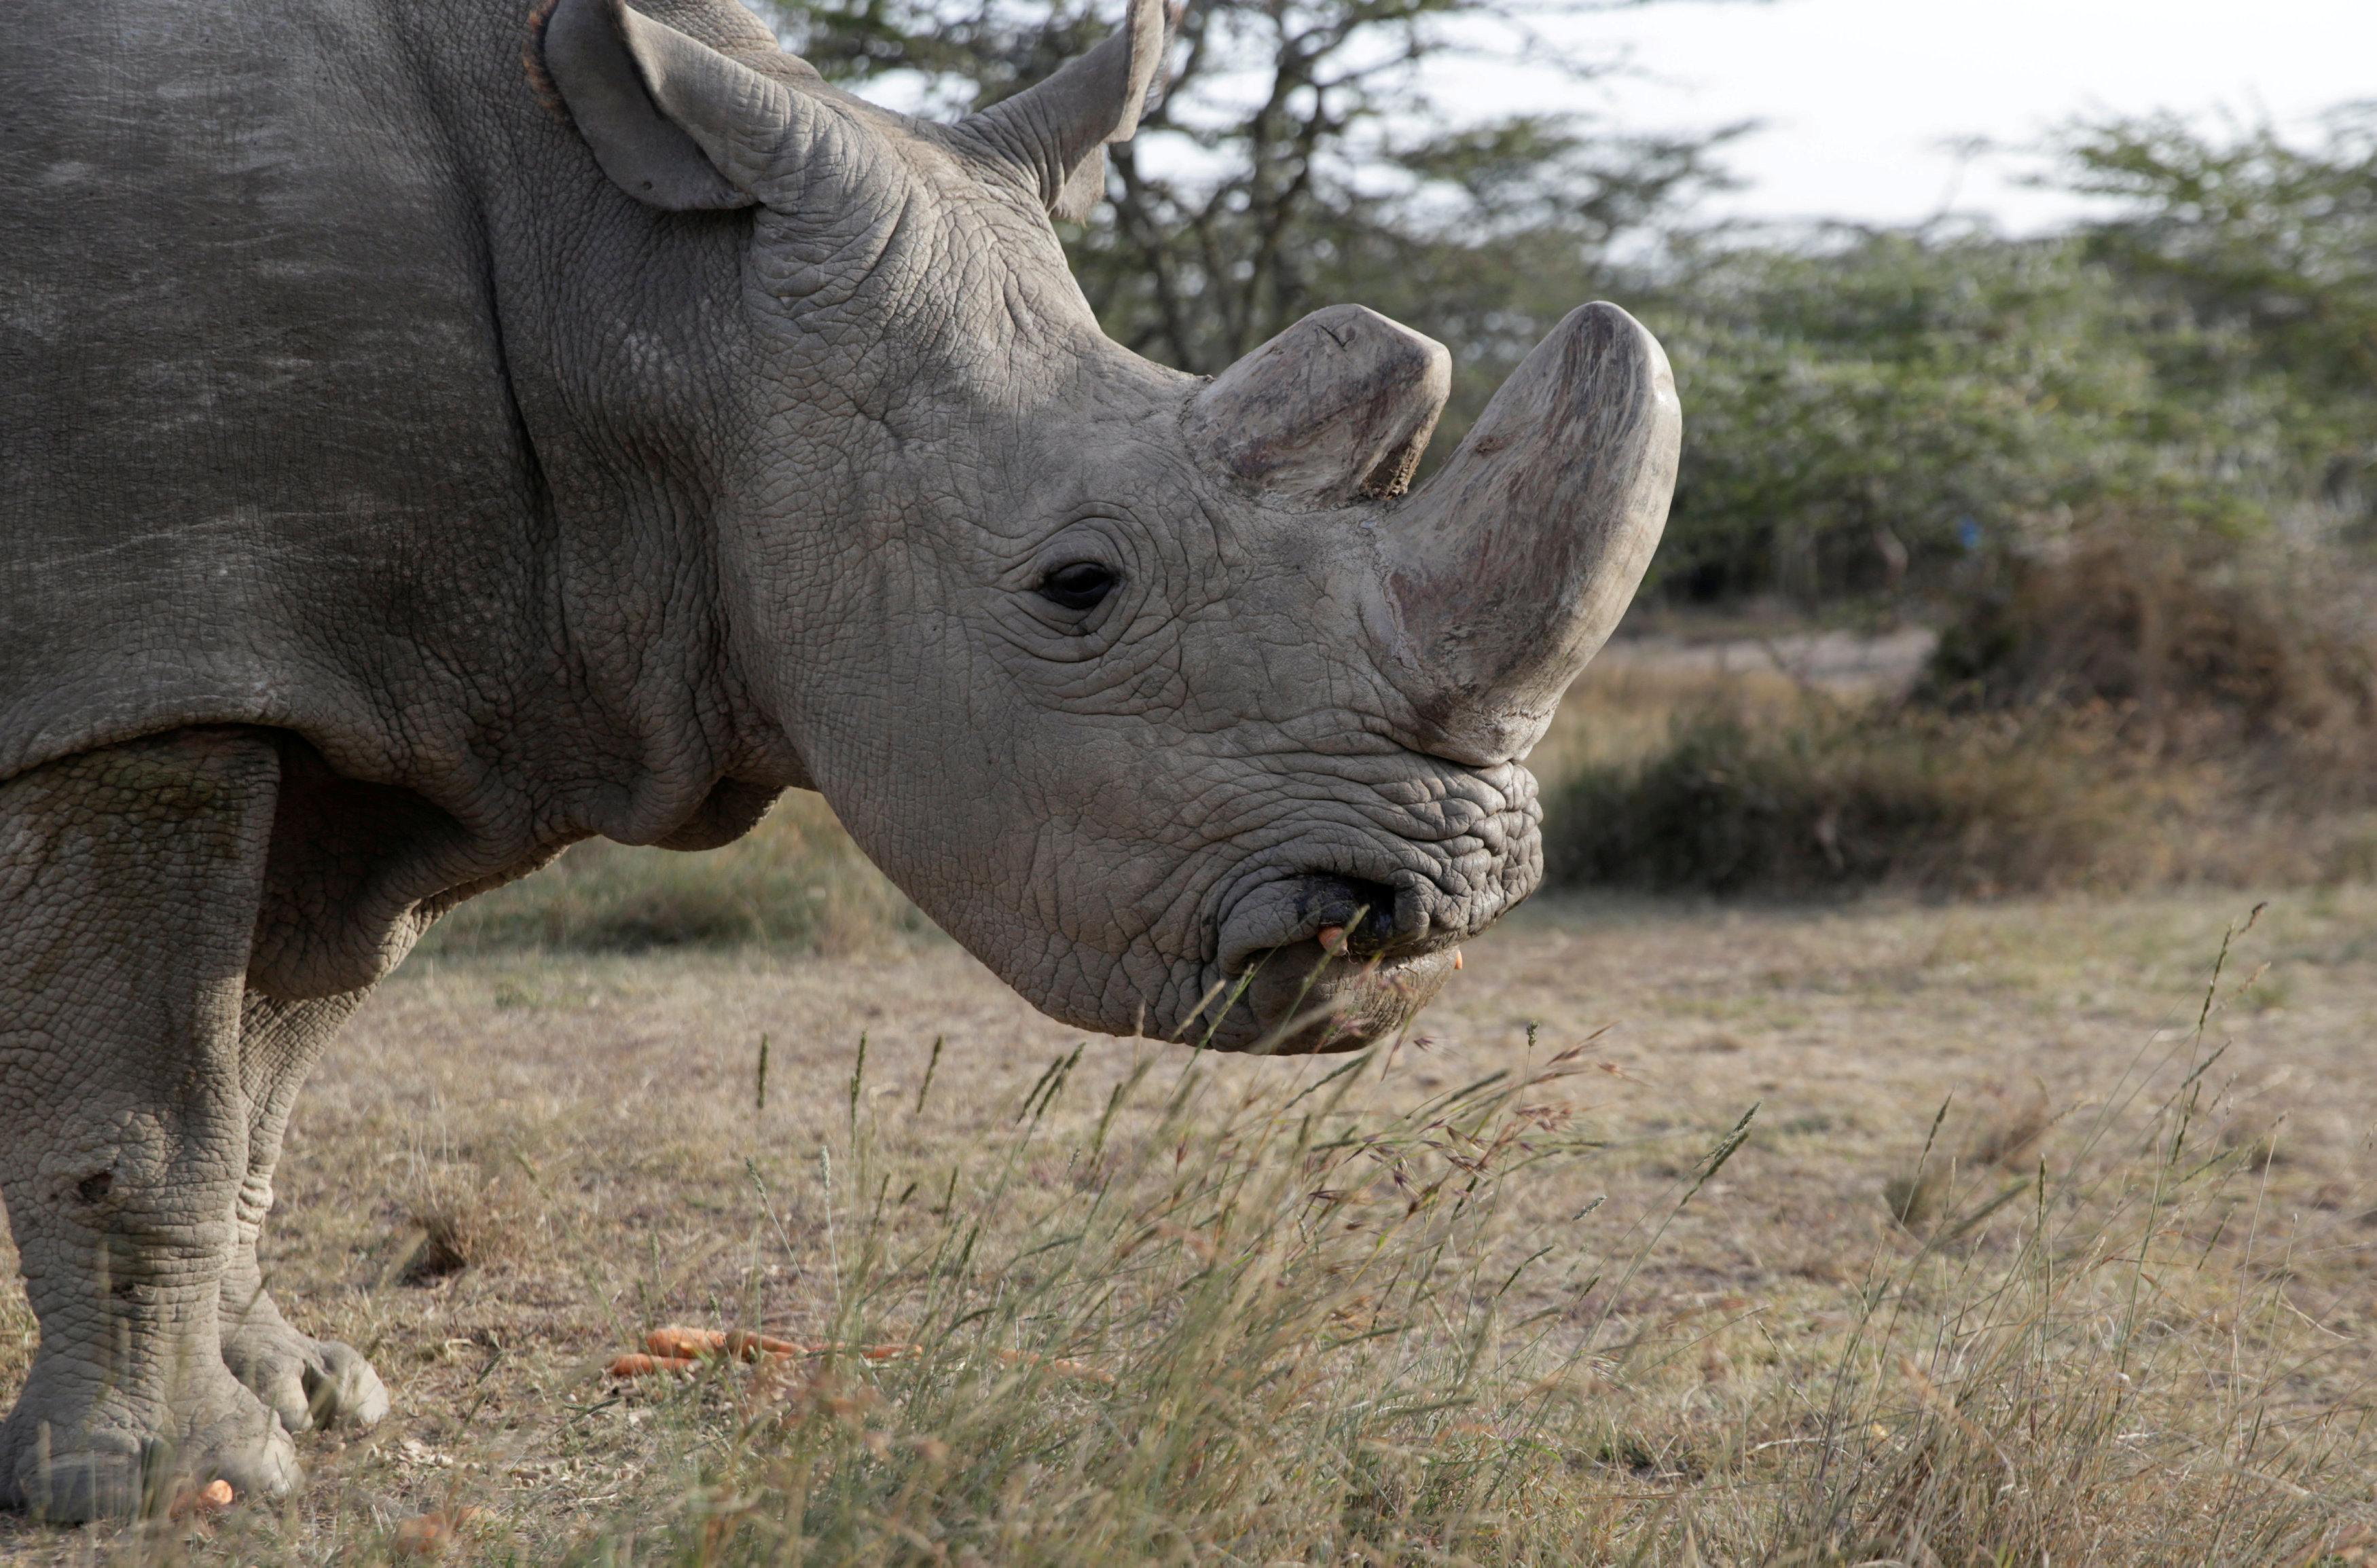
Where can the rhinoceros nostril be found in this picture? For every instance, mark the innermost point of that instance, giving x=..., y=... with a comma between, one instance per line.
x=1361, y=913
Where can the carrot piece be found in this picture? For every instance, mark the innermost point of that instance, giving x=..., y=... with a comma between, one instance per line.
x=211, y=1498
x=428, y=1534
x=423, y=1535
x=679, y=1341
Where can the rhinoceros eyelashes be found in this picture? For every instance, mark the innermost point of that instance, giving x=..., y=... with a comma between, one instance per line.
x=1080, y=586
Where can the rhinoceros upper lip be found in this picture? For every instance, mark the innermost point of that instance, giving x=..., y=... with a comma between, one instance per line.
x=1295, y=909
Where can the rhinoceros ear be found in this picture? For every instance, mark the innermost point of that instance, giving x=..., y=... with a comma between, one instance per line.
x=1338, y=407
x=674, y=122
x=1056, y=129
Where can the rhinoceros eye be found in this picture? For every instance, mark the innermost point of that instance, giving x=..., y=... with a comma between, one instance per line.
x=1080, y=585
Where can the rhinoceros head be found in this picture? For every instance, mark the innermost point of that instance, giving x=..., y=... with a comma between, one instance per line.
x=1140, y=684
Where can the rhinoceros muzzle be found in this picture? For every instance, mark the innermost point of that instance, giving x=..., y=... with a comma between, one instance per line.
x=1486, y=592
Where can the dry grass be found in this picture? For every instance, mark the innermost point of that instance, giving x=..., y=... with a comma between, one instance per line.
x=1453, y=1306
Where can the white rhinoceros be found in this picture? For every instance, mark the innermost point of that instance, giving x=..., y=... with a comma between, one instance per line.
x=430, y=436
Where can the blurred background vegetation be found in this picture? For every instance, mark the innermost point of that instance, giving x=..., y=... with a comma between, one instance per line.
x=2119, y=477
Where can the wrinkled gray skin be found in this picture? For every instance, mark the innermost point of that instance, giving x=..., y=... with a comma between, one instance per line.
x=428, y=440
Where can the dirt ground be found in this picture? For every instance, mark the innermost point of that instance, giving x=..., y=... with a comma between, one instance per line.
x=511, y=1167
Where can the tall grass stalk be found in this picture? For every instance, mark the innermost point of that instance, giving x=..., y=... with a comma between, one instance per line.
x=1302, y=1324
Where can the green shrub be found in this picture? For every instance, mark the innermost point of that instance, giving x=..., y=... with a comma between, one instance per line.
x=1843, y=798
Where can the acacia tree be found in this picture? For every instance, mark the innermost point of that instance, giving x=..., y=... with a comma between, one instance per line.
x=2270, y=249
x=1870, y=411
x=1303, y=157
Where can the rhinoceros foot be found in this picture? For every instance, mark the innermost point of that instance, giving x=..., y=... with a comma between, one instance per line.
x=66, y=1457
x=306, y=1382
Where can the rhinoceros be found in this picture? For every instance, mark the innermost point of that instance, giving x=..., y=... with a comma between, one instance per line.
x=432, y=434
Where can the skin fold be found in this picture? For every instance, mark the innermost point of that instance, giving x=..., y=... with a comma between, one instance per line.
x=433, y=434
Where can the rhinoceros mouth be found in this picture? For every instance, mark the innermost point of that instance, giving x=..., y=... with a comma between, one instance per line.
x=1283, y=993
x=1298, y=1000
x=1293, y=910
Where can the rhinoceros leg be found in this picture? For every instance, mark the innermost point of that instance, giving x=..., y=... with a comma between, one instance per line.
x=307, y=1382
x=129, y=881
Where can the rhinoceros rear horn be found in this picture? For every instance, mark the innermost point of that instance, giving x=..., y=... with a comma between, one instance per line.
x=1338, y=407
x=1509, y=568
x=1054, y=133
x=674, y=121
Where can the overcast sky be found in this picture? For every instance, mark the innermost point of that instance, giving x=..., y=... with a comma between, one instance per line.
x=1859, y=95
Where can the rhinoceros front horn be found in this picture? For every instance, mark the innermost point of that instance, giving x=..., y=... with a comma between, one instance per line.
x=1510, y=568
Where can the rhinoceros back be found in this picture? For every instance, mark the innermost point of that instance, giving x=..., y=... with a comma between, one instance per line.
x=257, y=459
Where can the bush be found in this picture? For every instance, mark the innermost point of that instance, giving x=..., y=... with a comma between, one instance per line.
x=2200, y=650
x=1845, y=798
x=1860, y=416
x=2134, y=706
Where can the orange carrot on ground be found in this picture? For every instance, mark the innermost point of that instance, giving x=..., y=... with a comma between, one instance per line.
x=677, y=1349
x=426, y=1535
x=423, y=1535
x=211, y=1498
x=676, y=1340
